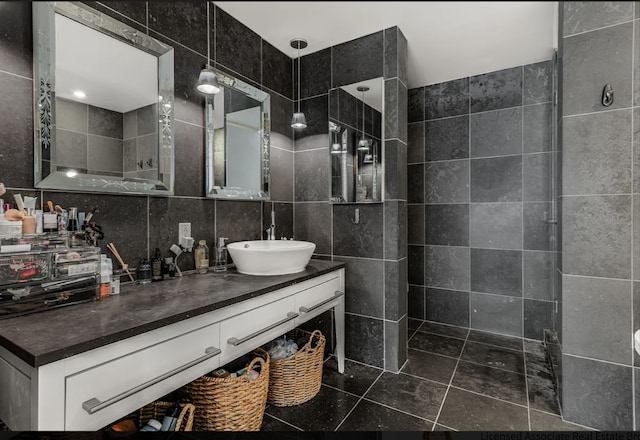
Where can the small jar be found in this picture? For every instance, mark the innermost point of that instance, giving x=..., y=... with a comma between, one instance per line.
x=144, y=272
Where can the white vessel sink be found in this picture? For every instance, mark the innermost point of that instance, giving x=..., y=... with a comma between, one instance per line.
x=271, y=257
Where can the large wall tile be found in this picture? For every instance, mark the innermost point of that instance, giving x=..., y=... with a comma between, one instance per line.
x=238, y=221
x=415, y=183
x=416, y=264
x=538, y=273
x=447, y=225
x=391, y=52
x=596, y=236
x=597, y=318
x=244, y=58
x=538, y=83
x=592, y=60
x=277, y=70
x=447, y=182
x=189, y=160
x=316, y=111
x=415, y=143
x=184, y=22
x=497, y=179
x=284, y=219
x=395, y=230
x=495, y=225
x=538, y=317
x=597, y=394
x=281, y=111
x=536, y=169
x=367, y=50
x=132, y=14
x=313, y=223
x=395, y=344
x=364, y=339
x=446, y=139
x=496, y=90
x=447, y=267
x=16, y=40
x=496, y=271
x=537, y=128
x=415, y=104
x=597, y=153
x=395, y=289
x=281, y=179
x=72, y=149
x=447, y=306
x=587, y=16
x=446, y=99
x=415, y=224
x=538, y=232
x=392, y=104
x=364, y=286
x=105, y=154
x=311, y=176
x=496, y=313
x=17, y=126
x=496, y=133
x=416, y=302
x=315, y=73
x=369, y=231
x=395, y=170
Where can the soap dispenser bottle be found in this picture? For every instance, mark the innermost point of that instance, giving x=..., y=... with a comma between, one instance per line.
x=220, y=261
x=202, y=257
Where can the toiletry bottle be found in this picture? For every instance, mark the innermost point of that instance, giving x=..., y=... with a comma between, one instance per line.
x=156, y=266
x=151, y=426
x=105, y=277
x=220, y=263
x=170, y=418
x=144, y=274
x=202, y=257
x=170, y=267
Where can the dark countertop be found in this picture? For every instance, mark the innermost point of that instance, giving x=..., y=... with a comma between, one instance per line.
x=45, y=337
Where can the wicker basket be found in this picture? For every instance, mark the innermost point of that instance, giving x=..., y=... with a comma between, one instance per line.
x=156, y=410
x=296, y=379
x=231, y=403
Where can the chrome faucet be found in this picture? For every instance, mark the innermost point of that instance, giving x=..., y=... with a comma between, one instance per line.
x=271, y=232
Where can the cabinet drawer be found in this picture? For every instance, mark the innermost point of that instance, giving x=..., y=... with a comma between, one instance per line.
x=317, y=299
x=242, y=333
x=107, y=391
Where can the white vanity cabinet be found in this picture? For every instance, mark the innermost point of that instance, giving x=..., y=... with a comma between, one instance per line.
x=89, y=390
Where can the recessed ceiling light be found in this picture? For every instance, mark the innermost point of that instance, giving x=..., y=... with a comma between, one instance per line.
x=79, y=94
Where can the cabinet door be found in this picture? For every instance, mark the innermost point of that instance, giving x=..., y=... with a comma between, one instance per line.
x=107, y=391
x=317, y=299
x=242, y=333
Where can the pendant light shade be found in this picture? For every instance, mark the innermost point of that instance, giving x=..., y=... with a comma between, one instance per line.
x=298, y=120
x=208, y=82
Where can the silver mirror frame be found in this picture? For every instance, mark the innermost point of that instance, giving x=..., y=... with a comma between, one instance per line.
x=44, y=102
x=236, y=193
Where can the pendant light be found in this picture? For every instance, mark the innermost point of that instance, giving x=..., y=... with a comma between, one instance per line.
x=298, y=120
x=207, y=80
x=363, y=144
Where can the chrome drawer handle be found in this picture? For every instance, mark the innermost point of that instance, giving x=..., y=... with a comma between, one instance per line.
x=337, y=295
x=235, y=341
x=94, y=405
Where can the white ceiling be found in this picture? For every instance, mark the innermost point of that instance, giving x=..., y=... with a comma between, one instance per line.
x=446, y=40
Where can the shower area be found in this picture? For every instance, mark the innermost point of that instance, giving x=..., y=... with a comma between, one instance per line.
x=523, y=216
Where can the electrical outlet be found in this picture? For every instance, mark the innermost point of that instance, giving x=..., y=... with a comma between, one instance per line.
x=184, y=230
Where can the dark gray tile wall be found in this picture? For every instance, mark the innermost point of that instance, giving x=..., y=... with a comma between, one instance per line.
x=139, y=224
x=375, y=249
x=599, y=229
x=479, y=154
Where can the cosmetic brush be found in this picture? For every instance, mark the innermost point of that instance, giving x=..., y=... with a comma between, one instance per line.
x=50, y=205
x=115, y=253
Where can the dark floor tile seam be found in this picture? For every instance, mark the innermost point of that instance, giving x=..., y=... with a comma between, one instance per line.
x=396, y=409
x=524, y=359
x=283, y=421
x=453, y=374
x=444, y=426
x=489, y=366
x=357, y=396
x=563, y=420
x=359, y=400
x=431, y=352
x=444, y=336
x=355, y=362
x=490, y=397
x=498, y=346
x=424, y=378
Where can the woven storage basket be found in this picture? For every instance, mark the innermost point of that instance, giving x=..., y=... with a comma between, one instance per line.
x=156, y=410
x=231, y=403
x=296, y=379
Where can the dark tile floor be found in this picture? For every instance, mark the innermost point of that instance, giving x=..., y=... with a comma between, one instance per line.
x=455, y=379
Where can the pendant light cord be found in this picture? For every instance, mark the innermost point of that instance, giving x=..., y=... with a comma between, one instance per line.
x=299, y=62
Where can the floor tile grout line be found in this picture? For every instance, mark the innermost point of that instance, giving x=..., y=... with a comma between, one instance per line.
x=526, y=384
x=494, y=368
x=284, y=421
x=489, y=397
x=397, y=409
x=446, y=394
x=359, y=400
